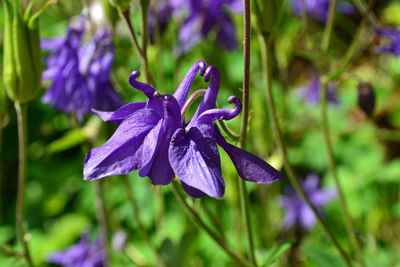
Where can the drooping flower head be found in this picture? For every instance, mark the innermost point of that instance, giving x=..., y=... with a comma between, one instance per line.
x=206, y=16
x=393, y=46
x=80, y=73
x=82, y=254
x=311, y=92
x=318, y=9
x=153, y=138
x=297, y=212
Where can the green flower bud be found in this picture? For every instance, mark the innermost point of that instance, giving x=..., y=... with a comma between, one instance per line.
x=266, y=15
x=110, y=11
x=22, y=61
x=121, y=5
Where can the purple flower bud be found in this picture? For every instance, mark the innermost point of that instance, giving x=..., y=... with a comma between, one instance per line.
x=366, y=98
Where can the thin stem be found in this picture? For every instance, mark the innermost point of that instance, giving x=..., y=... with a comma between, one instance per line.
x=102, y=219
x=22, y=166
x=191, y=99
x=329, y=26
x=264, y=42
x=228, y=131
x=332, y=165
x=197, y=220
x=142, y=55
x=144, y=8
x=243, y=195
x=142, y=228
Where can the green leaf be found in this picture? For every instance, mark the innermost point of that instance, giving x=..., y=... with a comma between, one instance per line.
x=275, y=252
x=69, y=140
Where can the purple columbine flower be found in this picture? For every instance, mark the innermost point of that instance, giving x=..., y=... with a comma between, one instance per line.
x=318, y=9
x=82, y=254
x=393, y=46
x=310, y=92
x=154, y=138
x=142, y=139
x=297, y=212
x=206, y=16
x=80, y=73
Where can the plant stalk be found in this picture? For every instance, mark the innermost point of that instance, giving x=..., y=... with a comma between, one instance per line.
x=102, y=219
x=243, y=195
x=328, y=143
x=22, y=167
x=142, y=228
x=139, y=51
x=197, y=220
x=326, y=38
x=265, y=48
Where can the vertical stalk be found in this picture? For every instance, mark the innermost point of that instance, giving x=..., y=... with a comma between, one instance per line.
x=144, y=8
x=326, y=38
x=102, y=219
x=22, y=166
x=347, y=218
x=243, y=195
x=264, y=43
x=142, y=54
x=197, y=220
x=142, y=228
x=328, y=143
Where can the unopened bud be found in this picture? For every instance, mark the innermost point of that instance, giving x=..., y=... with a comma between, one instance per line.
x=366, y=98
x=22, y=61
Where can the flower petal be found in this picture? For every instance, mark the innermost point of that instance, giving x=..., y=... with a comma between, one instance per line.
x=193, y=192
x=130, y=148
x=248, y=166
x=147, y=89
x=195, y=160
x=120, y=114
x=183, y=89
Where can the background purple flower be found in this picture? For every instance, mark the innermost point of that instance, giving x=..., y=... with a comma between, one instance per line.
x=297, y=211
x=318, y=9
x=310, y=92
x=82, y=254
x=206, y=16
x=161, y=12
x=393, y=46
x=80, y=74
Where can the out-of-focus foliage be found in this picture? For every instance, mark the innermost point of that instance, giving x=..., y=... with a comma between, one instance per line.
x=60, y=206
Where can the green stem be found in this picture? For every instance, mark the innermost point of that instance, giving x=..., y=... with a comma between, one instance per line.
x=243, y=195
x=102, y=219
x=144, y=7
x=142, y=228
x=197, y=220
x=142, y=55
x=22, y=166
x=264, y=42
x=326, y=39
x=332, y=165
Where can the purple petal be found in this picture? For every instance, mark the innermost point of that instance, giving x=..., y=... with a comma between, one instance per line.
x=159, y=169
x=193, y=192
x=130, y=148
x=120, y=114
x=210, y=98
x=196, y=162
x=183, y=89
x=307, y=217
x=147, y=89
x=249, y=167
